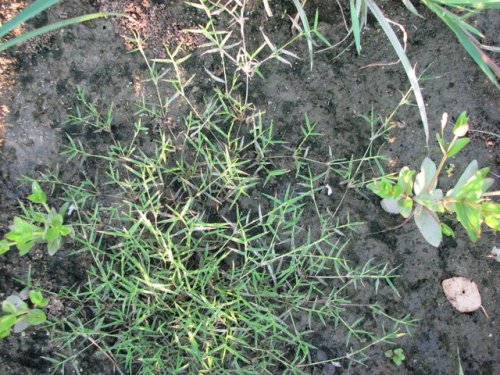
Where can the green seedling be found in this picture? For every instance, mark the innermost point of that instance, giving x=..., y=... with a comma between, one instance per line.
x=420, y=197
x=450, y=169
x=19, y=315
x=460, y=369
x=37, y=227
x=397, y=355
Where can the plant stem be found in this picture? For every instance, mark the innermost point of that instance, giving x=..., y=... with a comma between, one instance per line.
x=441, y=164
x=491, y=194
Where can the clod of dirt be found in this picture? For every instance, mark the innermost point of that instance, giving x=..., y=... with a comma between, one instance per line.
x=462, y=293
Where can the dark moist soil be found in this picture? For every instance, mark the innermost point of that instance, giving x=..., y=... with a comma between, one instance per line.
x=39, y=82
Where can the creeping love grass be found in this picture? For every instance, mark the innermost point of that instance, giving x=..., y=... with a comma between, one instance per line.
x=191, y=274
x=206, y=255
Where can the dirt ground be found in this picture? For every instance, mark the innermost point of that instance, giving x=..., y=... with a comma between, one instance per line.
x=39, y=82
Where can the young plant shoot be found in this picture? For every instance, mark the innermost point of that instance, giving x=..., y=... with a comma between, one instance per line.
x=469, y=199
x=19, y=315
x=37, y=227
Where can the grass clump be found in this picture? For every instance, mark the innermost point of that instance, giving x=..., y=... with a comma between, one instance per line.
x=208, y=251
x=191, y=275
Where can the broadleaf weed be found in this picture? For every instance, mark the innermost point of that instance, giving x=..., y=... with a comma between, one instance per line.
x=37, y=226
x=19, y=316
x=419, y=197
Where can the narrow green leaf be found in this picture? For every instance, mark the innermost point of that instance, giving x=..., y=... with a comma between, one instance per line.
x=457, y=146
x=442, y=144
x=355, y=27
x=460, y=369
x=316, y=31
x=479, y=4
x=447, y=231
x=461, y=126
x=466, y=175
x=487, y=65
x=469, y=219
x=37, y=195
x=279, y=172
x=29, y=12
x=43, y=30
x=410, y=72
x=409, y=5
x=322, y=38
x=307, y=28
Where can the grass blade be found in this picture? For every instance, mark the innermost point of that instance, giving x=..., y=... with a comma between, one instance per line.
x=479, y=4
x=460, y=369
x=471, y=45
x=409, y=5
x=30, y=11
x=410, y=72
x=307, y=28
x=71, y=21
x=356, y=29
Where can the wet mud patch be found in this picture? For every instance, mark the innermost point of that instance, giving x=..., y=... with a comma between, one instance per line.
x=44, y=76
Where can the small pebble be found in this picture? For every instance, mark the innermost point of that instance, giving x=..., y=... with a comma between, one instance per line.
x=321, y=356
x=328, y=369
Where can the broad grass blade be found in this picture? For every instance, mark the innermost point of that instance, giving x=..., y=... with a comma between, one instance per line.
x=71, y=21
x=410, y=72
x=29, y=12
x=471, y=45
x=479, y=4
x=409, y=5
x=356, y=28
x=307, y=28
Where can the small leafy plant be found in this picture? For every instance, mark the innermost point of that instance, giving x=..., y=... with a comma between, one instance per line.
x=19, y=315
x=420, y=197
x=397, y=355
x=37, y=226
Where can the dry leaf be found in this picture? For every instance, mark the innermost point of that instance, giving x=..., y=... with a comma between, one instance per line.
x=462, y=293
